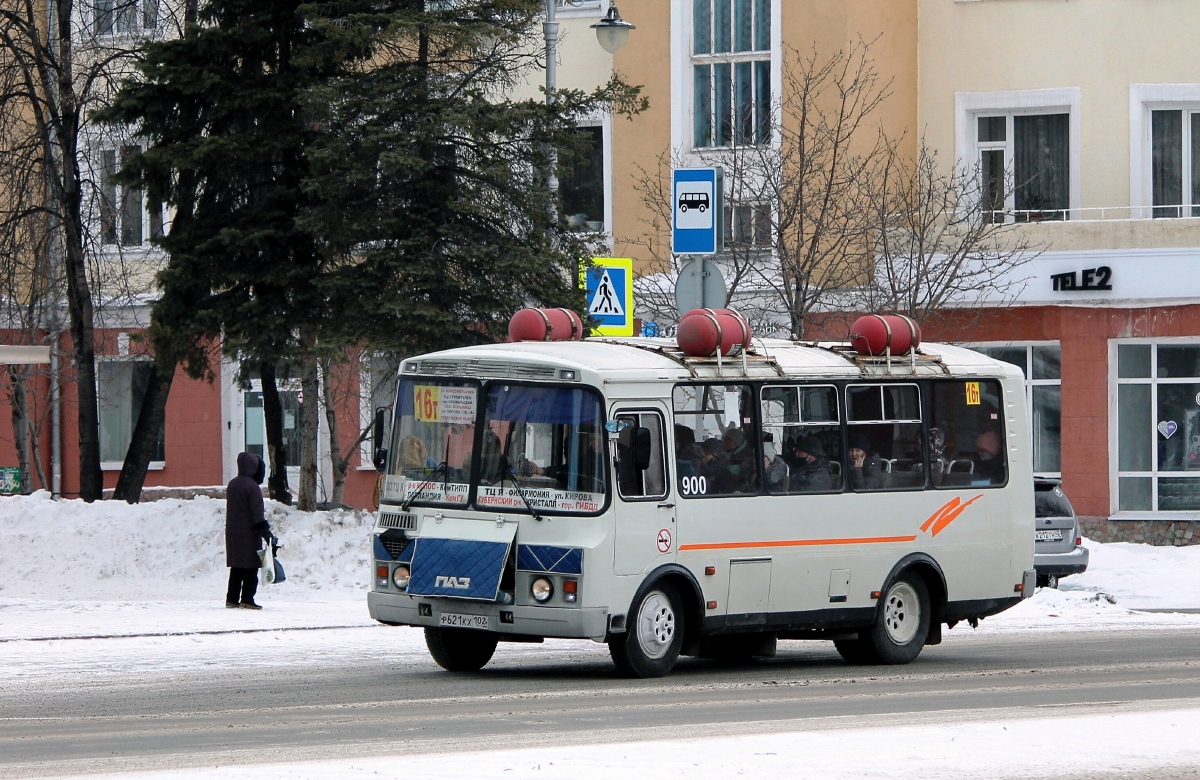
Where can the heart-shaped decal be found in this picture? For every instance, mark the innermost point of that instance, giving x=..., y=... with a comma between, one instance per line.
x=1167, y=428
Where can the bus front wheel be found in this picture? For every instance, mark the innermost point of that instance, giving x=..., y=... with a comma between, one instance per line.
x=459, y=649
x=651, y=644
x=901, y=625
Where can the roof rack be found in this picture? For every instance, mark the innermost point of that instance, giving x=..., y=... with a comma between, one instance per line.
x=743, y=361
x=914, y=363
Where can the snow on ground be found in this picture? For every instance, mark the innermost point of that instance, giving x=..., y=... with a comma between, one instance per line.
x=150, y=579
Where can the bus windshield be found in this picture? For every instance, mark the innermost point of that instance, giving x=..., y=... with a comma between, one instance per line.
x=431, y=443
x=544, y=446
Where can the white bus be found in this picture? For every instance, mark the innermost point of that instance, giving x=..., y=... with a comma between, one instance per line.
x=618, y=491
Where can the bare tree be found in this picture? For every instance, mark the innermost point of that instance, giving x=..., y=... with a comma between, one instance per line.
x=802, y=203
x=60, y=62
x=937, y=246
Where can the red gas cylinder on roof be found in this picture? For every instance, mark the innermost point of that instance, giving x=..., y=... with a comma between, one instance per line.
x=703, y=331
x=545, y=325
x=878, y=334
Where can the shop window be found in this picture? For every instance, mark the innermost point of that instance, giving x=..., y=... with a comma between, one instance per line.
x=886, y=451
x=1158, y=427
x=801, y=439
x=121, y=386
x=966, y=435
x=1041, y=364
x=715, y=440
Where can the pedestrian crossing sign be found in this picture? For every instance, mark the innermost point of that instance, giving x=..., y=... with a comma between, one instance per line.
x=609, y=285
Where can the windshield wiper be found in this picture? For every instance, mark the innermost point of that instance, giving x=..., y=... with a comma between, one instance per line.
x=444, y=467
x=508, y=469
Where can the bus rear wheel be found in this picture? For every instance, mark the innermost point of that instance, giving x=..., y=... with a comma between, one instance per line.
x=900, y=628
x=650, y=645
x=459, y=649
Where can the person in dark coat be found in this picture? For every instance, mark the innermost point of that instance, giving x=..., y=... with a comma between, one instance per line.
x=812, y=472
x=866, y=471
x=246, y=528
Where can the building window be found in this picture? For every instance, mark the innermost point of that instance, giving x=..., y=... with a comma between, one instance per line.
x=1175, y=162
x=1024, y=161
x=122, y=212
x=1158, y=427
x=121, y=385
x=124, y=17
x=747, y=226
x=731, y=71
x=1041, y=364
x=581, y=180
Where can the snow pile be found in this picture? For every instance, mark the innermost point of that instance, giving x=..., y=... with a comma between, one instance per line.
x=168, y=550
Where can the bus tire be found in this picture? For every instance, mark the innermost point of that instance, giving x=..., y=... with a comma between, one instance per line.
x=651, y=644
x=900, y=629
x=459, y=649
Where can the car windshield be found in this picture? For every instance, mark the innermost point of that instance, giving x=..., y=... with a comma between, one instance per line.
x=435, y=425
x=543, y=446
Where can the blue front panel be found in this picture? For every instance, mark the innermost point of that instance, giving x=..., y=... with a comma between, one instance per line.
x=381, y=553
x=544, y=558
x=457, y=567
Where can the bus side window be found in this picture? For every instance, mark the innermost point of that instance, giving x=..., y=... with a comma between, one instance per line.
x=886, y=449
x=635, y=482
x=801, y=439
x=966, y=435
x=716, y=443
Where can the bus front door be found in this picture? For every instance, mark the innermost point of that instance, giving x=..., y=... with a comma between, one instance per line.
x=643, y=507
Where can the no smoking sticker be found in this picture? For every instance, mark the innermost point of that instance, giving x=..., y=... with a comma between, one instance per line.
x=664, y=541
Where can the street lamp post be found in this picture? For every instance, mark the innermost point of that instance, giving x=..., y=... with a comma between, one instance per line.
x=612, y=32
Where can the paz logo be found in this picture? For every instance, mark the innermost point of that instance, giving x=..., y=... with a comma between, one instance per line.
x=457, y=583
x=1167, y=428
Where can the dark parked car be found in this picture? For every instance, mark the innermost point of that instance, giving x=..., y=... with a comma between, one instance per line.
x=1058, y=549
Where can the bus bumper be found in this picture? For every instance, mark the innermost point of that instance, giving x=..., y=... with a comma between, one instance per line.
x=546, y=622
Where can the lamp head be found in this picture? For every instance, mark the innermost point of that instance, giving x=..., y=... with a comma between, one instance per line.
x=612, y=31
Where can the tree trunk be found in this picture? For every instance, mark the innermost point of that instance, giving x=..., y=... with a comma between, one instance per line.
x=338, y=465
x=277, y=483
x=20, y=423
x=310, y=387
x=145, y=435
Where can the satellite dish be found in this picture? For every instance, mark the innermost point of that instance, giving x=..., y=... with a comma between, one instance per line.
x=700, y=286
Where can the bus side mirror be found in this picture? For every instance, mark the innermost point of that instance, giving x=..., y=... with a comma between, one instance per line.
x=642, y=445
x=380, y=459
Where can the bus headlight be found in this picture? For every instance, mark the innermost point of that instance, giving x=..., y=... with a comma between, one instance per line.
x=541, y=590
x=400, y=577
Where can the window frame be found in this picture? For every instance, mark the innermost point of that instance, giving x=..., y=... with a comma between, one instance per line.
x=683, y=80
x=117, y=465
x=622, y=411
x=1154, y=473
x=1144, y=99
x=137, y=10
x=1030, y=384
x=920, y=420
x=839, y=421
x=111, y=215
x=755, y=421
x=604, y=122
x=969, y=107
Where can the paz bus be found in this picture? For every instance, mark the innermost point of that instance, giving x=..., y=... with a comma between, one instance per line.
x=631, y=492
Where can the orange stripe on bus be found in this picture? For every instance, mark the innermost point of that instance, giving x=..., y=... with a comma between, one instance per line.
x=949, y=517
x=798, y=543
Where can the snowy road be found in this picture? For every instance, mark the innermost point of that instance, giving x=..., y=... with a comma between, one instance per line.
x=379, y=696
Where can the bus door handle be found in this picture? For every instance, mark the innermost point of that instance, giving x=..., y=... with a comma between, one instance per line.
x=666, y=505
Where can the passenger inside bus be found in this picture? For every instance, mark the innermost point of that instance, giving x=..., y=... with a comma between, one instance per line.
x=491, y=459
x=866, y=472
x=811, y=472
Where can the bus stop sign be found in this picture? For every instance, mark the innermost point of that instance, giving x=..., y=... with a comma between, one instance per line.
x=698, y=198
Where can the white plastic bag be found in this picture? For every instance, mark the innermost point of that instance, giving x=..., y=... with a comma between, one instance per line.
x=266, y=572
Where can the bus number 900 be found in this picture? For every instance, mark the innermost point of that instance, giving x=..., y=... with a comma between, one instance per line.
x=693, y=486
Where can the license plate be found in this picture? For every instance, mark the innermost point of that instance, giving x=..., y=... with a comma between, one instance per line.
x=454, y=620
x=1048, y=536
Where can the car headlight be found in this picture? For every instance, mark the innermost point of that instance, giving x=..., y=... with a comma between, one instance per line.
x=400, y=577
x=541, y=590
